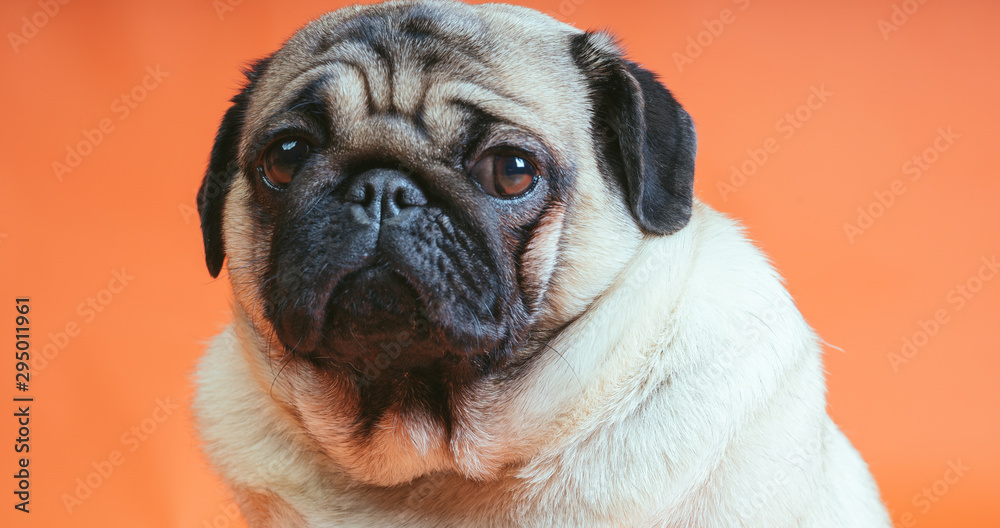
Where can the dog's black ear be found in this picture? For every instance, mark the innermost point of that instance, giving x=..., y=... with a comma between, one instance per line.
x=642, y=132
x=223, y=165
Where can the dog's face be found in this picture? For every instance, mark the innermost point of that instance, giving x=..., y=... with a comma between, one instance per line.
x=414, y=197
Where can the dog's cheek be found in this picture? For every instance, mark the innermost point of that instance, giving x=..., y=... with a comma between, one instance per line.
x=540, y=257
x=248, y=244
x=598, y=239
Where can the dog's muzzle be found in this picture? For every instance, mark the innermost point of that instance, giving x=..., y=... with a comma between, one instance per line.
x=372, y=261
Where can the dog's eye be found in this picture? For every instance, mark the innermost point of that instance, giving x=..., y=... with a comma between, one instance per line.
x=282, y=159
x=504, y=175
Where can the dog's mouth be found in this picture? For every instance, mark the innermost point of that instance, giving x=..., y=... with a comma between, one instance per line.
x=372, y=299
x=378, y=317
x=379, y=321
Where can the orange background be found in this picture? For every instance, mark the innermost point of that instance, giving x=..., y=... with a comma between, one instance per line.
x=128, y=207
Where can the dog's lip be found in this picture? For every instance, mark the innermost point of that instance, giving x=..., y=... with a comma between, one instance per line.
x=379, y=301
x=382, y=280
x=362, y=298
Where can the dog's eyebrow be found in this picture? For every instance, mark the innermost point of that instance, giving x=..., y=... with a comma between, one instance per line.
x=310, y=100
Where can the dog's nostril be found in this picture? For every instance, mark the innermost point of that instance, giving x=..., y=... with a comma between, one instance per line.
x=400, y=198
x=369, y=194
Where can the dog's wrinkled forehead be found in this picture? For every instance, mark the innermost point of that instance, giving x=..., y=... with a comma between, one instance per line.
x=377, y=69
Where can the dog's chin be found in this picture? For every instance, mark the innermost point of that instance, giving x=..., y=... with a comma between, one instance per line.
x=377, y=325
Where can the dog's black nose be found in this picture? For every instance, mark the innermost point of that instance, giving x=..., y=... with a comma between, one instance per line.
x=384, y=193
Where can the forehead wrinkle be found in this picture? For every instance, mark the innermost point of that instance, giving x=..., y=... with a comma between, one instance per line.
x=375, y=69
x=401, y=44
x=409, y=85
x=440, y=114
x=349, y=95
x=341, y=90
x=389, y=136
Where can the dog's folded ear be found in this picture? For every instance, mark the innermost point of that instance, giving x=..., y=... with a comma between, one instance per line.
x=222, y=167
x=642, y=133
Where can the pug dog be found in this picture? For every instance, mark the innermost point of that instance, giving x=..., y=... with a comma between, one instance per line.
x=473, y=288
